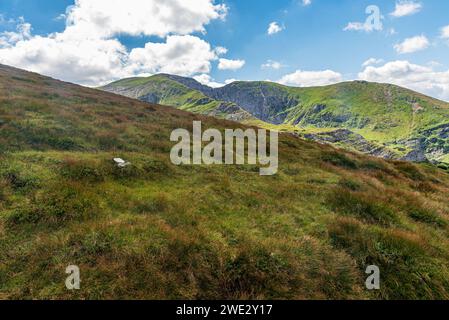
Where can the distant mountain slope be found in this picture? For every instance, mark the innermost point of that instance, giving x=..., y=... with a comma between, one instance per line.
x=154, y=230
x=164, y=89
x=404, y=123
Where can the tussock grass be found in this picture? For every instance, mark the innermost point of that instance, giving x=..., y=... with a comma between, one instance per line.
x=61, y=203
x=421, y=213
x=410, y=269
x=410, y=170
x=339, y=159
x=365, y=206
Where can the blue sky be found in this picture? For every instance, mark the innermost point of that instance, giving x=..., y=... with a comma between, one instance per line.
x=308, y=44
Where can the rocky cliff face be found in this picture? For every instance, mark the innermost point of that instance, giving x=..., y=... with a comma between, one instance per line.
x=260, y=99
x=263, y=101
x=192, y=84
x=350, y=140
x=432, y=144
x=179, y=92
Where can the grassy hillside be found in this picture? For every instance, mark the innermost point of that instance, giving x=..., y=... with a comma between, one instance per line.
x=308, y=232
x=404, y=123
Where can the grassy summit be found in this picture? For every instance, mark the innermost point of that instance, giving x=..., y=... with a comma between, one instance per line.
x=154, y=230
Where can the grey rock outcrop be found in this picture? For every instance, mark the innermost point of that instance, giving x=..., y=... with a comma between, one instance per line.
x=348, y=138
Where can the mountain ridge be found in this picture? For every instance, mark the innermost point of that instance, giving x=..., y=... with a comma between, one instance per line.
x=407, y=124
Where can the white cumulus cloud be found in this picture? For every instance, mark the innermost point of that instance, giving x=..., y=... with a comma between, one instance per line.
x=413, y=44
x=221, y=51
x=416, y=77
x=445, y=32
x=89, y=52
x=227, y=64
x=136, y=17
x=208, y=81
x=10, y=38
x=229, y=81
x=182, y=55
x=372, y=23
x=306, y=2
x=274, y=28
x=88, y=62
x=365, y=27
x=311, y=78
x=372, y=61
x=406, y=8
x=271, y=64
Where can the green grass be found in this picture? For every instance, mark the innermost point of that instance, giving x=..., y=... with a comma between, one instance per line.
x=157, y=231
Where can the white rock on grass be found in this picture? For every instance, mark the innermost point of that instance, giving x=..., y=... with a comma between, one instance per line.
x=121, y=163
